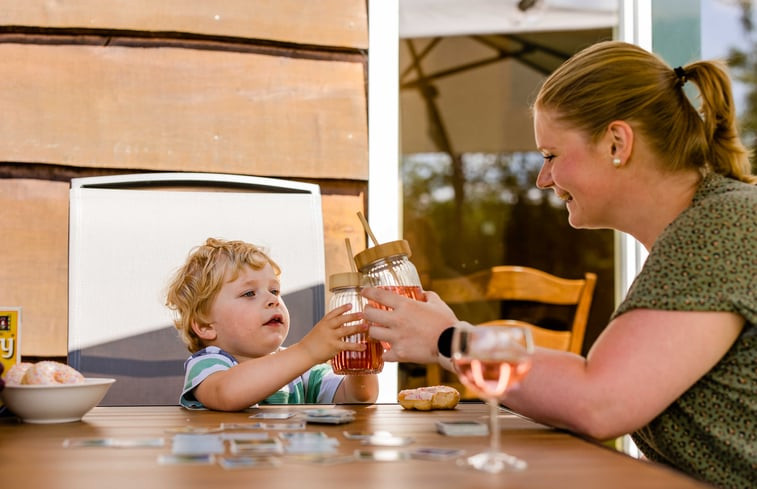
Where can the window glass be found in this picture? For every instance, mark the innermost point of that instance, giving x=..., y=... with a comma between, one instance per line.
x=469, y=168
x=729, y=32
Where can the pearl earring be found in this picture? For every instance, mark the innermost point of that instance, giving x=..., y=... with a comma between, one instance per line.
x=616, y=162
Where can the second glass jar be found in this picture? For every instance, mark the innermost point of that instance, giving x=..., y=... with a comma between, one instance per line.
x=345, y=288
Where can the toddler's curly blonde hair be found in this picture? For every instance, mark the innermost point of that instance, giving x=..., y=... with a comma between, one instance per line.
x=196, y=284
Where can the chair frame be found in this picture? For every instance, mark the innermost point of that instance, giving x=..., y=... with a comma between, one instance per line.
x=518, y=283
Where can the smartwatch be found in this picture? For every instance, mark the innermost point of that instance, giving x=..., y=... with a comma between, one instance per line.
x=444, y=347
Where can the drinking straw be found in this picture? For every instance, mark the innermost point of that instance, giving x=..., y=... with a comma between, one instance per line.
x=367, y=228
x=351, y=257
x=376, y=243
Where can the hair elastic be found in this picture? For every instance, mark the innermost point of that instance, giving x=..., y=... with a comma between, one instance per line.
x=681, y=74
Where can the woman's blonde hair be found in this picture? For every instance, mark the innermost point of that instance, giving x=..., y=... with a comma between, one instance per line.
x=196, y=284
x=613, y=80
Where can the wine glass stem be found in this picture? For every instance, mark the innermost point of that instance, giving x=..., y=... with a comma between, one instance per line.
x=494, y=425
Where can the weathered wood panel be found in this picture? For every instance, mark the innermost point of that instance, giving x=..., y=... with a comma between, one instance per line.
x=257, y=87
x=34, y=253
x=182, y=110
x=336, y=23
x=34, y=261
x=340, y=221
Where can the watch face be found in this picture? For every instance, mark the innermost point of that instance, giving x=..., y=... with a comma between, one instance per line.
x=444, y=343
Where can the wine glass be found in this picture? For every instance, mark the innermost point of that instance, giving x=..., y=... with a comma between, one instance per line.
x=490, y=360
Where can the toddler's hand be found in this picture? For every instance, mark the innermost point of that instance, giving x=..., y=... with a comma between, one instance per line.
x=324, y=341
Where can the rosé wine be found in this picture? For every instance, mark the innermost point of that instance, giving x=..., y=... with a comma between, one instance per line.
x=491, y=378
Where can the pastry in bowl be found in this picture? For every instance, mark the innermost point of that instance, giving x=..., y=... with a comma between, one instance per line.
x=51, y=392
x=46, y=372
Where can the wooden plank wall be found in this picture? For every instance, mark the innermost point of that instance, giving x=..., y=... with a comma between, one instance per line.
x=253, y=87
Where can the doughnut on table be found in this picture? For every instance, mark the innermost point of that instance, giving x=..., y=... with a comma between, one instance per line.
x=34, y=456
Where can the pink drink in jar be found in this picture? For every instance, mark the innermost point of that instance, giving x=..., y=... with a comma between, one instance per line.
x=346, y=290
x=388, y=266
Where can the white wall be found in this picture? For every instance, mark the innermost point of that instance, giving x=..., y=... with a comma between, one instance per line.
x=384, y=204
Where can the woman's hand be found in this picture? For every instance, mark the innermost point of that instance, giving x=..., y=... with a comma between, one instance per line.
x=411, y=327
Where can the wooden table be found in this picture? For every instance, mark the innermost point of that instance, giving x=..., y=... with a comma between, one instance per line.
x=34, y=456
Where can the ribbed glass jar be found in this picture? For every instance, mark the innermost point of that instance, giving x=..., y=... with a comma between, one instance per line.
x=388, y=266
x=345, y=288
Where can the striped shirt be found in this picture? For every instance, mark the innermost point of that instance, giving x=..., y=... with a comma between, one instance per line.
x=316, y=386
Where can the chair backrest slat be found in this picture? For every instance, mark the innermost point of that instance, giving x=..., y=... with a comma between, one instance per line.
x=516, y=283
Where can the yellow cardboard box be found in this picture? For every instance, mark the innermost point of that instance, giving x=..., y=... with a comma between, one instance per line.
x=10, y=336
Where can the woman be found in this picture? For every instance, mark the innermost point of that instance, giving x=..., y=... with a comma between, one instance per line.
x=676, y=366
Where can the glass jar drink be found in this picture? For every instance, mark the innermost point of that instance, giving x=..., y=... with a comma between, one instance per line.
x=388, y=266
x=345, y=288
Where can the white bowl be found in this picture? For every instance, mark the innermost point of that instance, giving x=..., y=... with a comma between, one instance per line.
x=60, y=403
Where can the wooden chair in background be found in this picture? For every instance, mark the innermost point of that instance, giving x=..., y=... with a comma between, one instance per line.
x=524, y=284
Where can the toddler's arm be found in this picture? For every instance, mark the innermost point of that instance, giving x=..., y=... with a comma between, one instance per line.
x=252, y=380
x=357, y=389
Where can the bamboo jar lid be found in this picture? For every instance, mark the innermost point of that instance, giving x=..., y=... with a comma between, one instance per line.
x=381, y=252
x=344, y=280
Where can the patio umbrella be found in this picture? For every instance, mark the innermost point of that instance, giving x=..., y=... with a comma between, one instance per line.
x=468, y=68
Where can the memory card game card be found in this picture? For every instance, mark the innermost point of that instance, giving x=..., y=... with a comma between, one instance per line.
x=186, y=459
x=184, y=444
x=247, y=462
x=380, y=455
x=329, y=416
x=387, y=441
x=362, y=435
x=266, y=445
x=273, y=415
x=241, y=435
x=435, y=453
x=322, y=458
x=303, y=435
x=462, y=428
x=241, y=426
x=292, y=426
